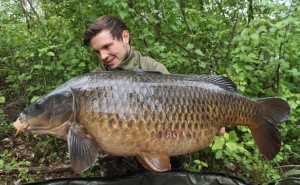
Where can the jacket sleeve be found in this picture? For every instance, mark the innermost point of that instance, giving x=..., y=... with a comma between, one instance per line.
x=151, y=64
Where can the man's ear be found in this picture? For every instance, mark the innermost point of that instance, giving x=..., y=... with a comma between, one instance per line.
x=126, y=36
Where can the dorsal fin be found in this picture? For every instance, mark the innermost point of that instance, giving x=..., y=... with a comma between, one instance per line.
x=221, y=81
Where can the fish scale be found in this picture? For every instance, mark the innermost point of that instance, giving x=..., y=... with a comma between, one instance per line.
x=149, y=115
x=145, y=120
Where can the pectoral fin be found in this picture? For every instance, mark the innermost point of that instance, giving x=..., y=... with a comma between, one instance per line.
x=83, y=150
x=154, y=162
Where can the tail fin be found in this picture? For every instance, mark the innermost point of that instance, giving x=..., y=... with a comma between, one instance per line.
x=266, y=135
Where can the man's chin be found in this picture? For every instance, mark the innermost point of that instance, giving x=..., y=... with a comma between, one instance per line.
x=113, y=66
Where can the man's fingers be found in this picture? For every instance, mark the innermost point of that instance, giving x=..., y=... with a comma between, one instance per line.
x=222, y=131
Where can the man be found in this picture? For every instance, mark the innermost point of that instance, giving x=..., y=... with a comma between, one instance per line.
x=110, y=39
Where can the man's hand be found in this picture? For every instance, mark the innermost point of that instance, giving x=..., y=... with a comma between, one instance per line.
x=222, y=131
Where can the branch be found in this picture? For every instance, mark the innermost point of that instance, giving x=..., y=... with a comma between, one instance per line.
x=158, y=24
x=183, y=15
x=281, y=55
x=229, y=43
x=26, y=15
x=81, y=14
x=44, y=169
x=221, y=10
x=180, y=45
x=250, y=11
x=35, y=13
x=130, y=5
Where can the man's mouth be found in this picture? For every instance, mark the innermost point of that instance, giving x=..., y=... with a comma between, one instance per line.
x=110, y=62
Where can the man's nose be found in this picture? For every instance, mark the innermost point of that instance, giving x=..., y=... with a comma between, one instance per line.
x=103, y=55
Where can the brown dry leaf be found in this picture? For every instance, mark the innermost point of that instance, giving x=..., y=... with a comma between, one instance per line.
x=17, y=181
x=48, y=178
x=21, y=147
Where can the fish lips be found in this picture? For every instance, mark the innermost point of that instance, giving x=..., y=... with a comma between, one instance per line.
x=20, y=125
x=23, y=124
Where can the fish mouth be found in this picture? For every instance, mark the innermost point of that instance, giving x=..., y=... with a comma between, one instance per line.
x=60, y=131
x=20, y=126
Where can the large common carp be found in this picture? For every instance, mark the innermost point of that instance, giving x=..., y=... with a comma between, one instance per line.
x=149, y=115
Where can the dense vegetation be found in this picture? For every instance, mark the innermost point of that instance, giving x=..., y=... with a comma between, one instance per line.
x=255, y=43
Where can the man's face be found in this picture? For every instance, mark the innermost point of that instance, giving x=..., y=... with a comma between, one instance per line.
x=110, y=50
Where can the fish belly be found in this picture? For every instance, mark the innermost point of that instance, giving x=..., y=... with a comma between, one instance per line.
x=128, y=141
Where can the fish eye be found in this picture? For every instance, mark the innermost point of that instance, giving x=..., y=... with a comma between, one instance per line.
x=39, y=102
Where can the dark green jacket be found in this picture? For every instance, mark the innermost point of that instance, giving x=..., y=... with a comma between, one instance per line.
x=136, y=61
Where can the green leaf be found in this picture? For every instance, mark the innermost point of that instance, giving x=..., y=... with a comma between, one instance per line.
x=219, y=154
x=74, y=61
x=233, y=136
x=1, y=164
x=49, y=68
x=248, y=67
x=123, y=14
x=2, y=99
x=199, y=52
x=34, y=98
x=38, y=66
x=50, y=54
x=2, y=8
x=231, y=146
x=124, y=4
x=288, y=147
x=226, y=136
x=217, y=145
x=82, y=64
x=202, y=65
x=190, y=46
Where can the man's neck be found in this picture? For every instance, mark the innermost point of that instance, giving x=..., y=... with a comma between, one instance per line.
x=128, y=52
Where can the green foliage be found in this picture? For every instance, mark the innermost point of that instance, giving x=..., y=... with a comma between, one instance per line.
x=243, y=154
x=46, y=149
x=196, y=166
x=2, y=99
x=3, y=122
x=193, y=163
x=255, y=43
x=87, y=173
x=7, y=163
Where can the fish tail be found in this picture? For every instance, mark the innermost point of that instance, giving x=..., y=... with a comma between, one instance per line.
x=266, y=134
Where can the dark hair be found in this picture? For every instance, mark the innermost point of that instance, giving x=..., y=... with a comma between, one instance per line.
x=113, y=24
